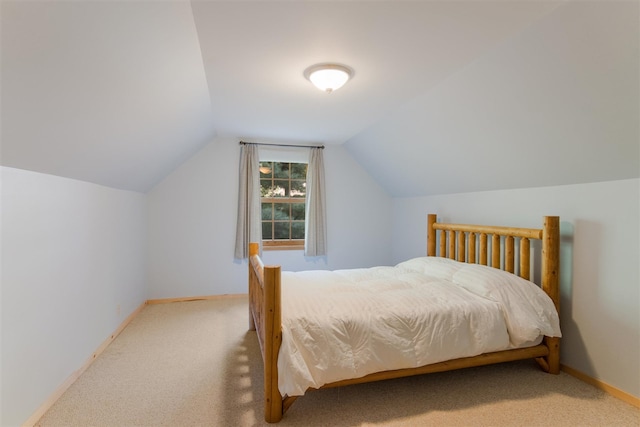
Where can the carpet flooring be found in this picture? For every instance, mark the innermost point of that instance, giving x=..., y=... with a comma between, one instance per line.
x=196, y=364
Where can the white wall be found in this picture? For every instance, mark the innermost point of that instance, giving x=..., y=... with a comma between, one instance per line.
x=192, y=223
x=600, y=305
x=72, y=253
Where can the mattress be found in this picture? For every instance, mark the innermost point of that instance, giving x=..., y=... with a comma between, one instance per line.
x=345, y=324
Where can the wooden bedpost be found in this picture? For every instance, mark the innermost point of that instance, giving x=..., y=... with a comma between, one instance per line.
x=431, y=235
x=551, y=258
x=551, y=284
x=273, y=409
x=265, y=318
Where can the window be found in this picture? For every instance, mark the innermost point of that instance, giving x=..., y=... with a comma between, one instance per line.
x=283, y=193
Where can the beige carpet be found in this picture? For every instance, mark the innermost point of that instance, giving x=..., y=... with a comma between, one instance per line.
x=195, y=364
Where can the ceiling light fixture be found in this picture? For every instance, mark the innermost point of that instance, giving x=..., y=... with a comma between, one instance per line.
x=328, y=77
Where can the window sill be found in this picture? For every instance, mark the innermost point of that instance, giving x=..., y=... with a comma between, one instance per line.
x=283, y=248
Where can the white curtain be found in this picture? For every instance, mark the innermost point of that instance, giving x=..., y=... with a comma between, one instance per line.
x=248, y=227
x=315, y=242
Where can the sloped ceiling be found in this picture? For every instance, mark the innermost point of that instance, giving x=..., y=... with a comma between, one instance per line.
x=556, y=104
x=120, y=93
x=107, y=92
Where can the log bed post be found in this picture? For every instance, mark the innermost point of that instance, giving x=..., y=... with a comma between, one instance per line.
x=431, y=235
x=265, y=317
x=551, y=285
x=273, y=409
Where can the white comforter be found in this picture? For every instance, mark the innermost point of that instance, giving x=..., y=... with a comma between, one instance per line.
x=349, y=323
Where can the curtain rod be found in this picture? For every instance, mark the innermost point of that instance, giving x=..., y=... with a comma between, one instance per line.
x=283, y=145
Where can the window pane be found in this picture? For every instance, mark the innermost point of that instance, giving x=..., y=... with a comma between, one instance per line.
x=281, y=230
x=267, y=229
x=266, y=169
x=297, y=230
x=297, y=211
x=281, y=211
x=281, y=170
x=298, y=189
x=267, y=211
x=299, y=170
x=282, y=188
x=266, y=188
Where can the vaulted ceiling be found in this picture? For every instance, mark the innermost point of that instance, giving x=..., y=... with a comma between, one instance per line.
x=515, y=94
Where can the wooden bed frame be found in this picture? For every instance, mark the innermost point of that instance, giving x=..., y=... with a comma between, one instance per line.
x=465, y=243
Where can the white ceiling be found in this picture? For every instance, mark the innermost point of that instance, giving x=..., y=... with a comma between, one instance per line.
x=255, y=54
x=120, y=93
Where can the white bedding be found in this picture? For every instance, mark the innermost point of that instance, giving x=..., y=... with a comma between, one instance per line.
x=346, y=324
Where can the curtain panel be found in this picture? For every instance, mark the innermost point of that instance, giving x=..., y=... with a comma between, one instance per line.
x=248, y=226
x=315, y=242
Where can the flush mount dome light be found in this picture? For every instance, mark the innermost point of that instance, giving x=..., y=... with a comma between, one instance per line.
x=328, y=77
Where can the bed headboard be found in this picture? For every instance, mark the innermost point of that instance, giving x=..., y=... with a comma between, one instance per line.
x=475, y=243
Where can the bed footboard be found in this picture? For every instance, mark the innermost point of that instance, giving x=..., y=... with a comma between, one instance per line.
x=265, y=319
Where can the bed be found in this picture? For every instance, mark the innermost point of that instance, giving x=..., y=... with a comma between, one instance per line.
x=474, y=291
